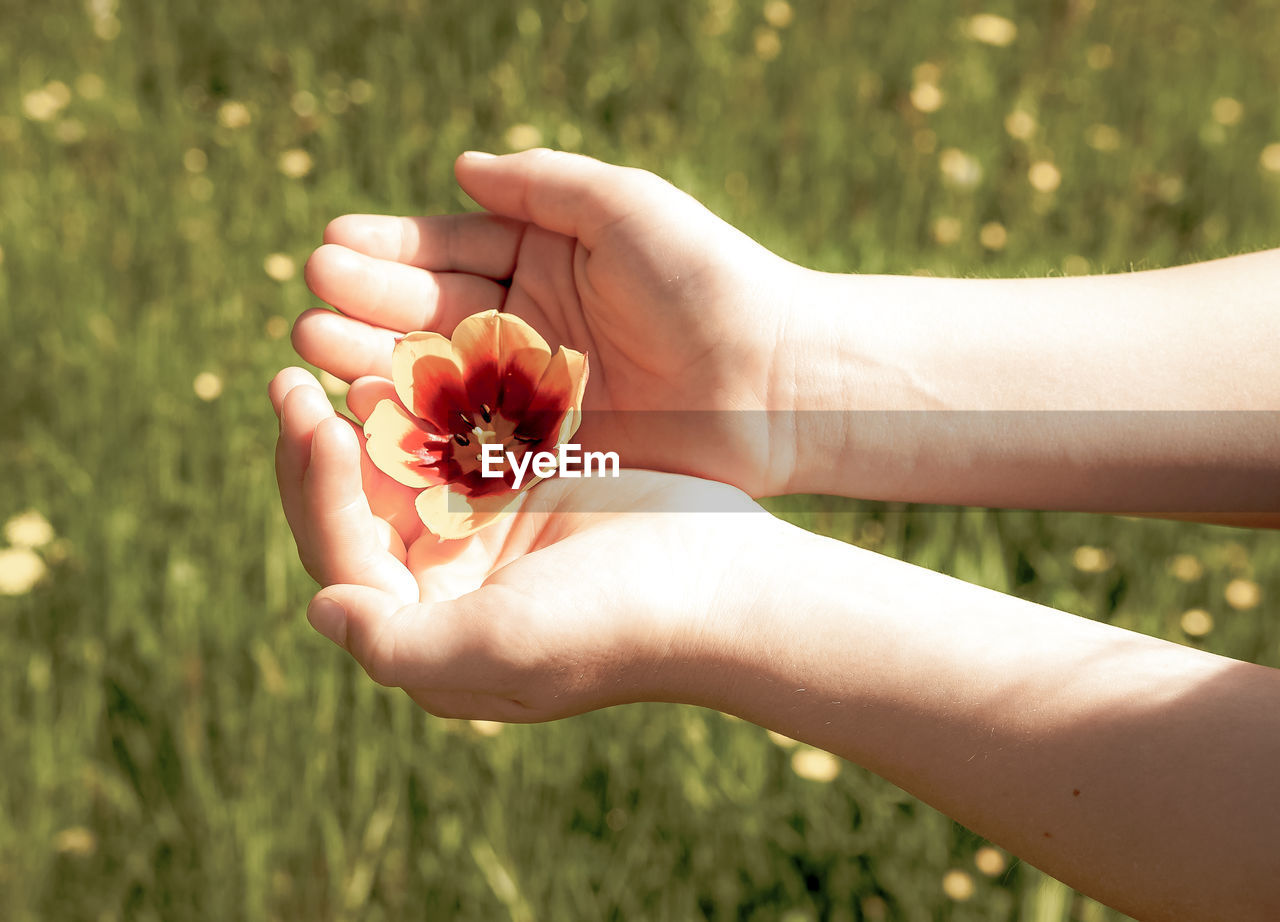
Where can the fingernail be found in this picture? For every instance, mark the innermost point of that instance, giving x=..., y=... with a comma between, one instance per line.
x=329, y=618
x=477, y=155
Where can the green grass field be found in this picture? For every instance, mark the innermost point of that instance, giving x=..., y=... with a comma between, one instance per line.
x=177, y=744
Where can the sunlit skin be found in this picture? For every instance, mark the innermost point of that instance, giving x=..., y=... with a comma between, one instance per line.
x=1082, y=748
x=681, y=312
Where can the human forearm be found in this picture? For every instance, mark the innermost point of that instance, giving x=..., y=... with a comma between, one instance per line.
x=1145, y=392
x=1139, y=771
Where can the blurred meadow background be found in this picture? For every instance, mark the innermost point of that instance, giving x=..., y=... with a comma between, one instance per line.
x=177, y=744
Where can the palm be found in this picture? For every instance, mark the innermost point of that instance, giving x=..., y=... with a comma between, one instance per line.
x=648, y=340
x=446, y=570
x=674, y=384
x=527, y=578
x=569, y=524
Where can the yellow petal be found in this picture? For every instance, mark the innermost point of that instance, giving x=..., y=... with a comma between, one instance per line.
x=501, y=358
x=577, y=370
x=428, y=381
x=493, y=333
x=449, y=515
x=556, y=409
x=400, y=448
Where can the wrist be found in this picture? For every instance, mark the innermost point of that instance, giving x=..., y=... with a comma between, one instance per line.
x=846, y=371
x=728, y=650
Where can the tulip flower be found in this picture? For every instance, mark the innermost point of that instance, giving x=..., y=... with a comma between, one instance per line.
x=495, y=383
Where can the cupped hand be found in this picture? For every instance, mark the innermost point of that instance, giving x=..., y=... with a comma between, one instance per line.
x=684, y=318
x=597, y=592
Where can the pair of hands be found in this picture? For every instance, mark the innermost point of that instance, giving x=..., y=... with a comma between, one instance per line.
x=596, y=593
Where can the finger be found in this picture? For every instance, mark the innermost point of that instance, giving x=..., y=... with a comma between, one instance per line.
x=349, y=546
x=333, y=610
x=367, y=623
x=302, y=407
x=566, y=193
x=395, y=519
x=286, y=380
x=365, y=394
x=396, y=296
x=481, y=244
x=343, y=347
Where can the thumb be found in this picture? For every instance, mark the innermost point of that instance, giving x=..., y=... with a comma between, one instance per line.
x=453, y=645
x=362, y=621
x=350, y=544
x=566, y=193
